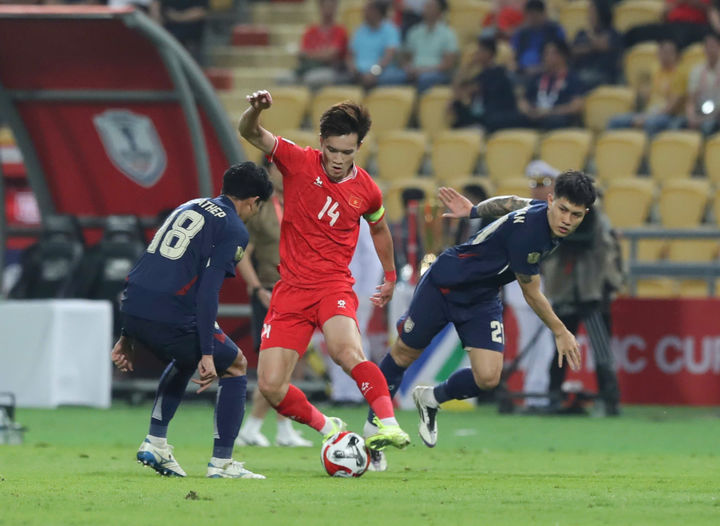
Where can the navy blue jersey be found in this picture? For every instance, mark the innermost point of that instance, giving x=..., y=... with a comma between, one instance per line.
x=513, y=244
x=202, y=233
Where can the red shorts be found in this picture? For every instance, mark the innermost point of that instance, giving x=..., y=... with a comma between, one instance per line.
x=294, y=314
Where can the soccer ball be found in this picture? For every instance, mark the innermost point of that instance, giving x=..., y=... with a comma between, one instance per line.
x=345, y=455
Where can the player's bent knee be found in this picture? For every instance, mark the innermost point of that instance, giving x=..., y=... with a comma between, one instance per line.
x=403, y=355
x=238, y=367
x=348, y=357
x=485, y=380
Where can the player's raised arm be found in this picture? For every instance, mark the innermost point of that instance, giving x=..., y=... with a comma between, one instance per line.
x=461, y=206
x=249, y=125
x=564, y=339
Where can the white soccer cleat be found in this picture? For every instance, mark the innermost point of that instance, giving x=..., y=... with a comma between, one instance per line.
x=427, y=409
x=292, y=439
x=231, y=470
x=251, y=438
x=160, y=459
x=378, y=461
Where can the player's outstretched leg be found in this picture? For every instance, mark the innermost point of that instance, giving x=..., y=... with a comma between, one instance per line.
x=295, y=405
x=154, y=451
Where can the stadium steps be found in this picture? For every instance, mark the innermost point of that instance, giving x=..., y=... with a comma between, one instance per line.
x=284, y=13
x=286, y=35
x=257, y=78
x=253, y=57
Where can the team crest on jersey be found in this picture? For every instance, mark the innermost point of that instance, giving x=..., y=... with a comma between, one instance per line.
x=133, y=145
x=355, y=201
x=239, y=253
x=409, y=325
x=533, y=257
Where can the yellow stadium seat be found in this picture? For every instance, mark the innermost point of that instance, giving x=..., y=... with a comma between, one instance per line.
x=434, y=114
x=512, y=186
x=455, y=154
x=573, y=17
x=692, y=250
x=288, y=110
x=6, y=136
x=329, y=95
x=691, y=56
x=233, y=102
x=631, y=13
x=682, y=203
x=566, y=149
x=657, y=288
x=366, y=150
x=302, y=138
x=640, y=62
x=716, y=206
x=390, y=108
x=400, y=154
x=711, y=158
x=627, y=202
x=251, y=153
x=673, y=154
x=392, y=195
x=618, y=154
x=508, y=152
x=467, y=18
x=459, y=183
x=605, y=101
x=352, y=15
x=693, y=288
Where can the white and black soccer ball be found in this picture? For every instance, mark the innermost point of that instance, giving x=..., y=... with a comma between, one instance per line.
x=345, y=455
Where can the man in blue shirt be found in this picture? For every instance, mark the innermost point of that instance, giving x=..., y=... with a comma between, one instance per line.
x=462, y=287
x=169, y=307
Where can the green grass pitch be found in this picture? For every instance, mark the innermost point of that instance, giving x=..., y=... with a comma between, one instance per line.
x=650, y=466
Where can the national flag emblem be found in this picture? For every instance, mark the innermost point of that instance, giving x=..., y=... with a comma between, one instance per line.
x=355, y=201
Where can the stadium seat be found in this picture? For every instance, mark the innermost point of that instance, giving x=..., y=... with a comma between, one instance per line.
x=467, y=18
x=692, y=250
x=640, y=62
x=627, y=203
x=694, y=288
x=691, y=56
x=711, y=158
x=657, y=288
x=290, y=105
x=605, y=101
x=512, y=186
x=392, y=194
x=716, y=206
x=329, y=95
x=618, y=154
x=673, y=154
x=631, y=13
x=433, y=113
x=352, y=14
x=508, y=152
x=390, y=108
x=459, y=183
x=566, y=149
x=573, y=16
x=302, y=138
x=682, y=203
x=251, y=153
x=400, y=154
x=367, y=150
x=455, y=154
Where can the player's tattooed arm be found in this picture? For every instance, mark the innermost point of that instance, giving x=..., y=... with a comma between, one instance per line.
x=499, y=206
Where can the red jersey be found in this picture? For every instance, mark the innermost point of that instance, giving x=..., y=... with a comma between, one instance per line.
x=317, y=37
x=321, y=219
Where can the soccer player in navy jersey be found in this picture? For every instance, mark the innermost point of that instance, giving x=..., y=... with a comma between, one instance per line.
x=169, y=307
x=462, y=287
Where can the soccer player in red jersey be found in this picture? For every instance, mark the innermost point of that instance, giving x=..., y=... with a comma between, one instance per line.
x=326, y=195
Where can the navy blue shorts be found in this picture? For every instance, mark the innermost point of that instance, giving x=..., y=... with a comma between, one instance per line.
x=479, y=325
x=181, y=343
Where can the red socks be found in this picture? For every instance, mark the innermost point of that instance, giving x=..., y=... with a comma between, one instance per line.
x=295, y=405
x=373, y=386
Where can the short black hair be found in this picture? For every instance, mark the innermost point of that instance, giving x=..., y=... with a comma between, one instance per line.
x=345, y=118
x=560, y=44
x=412, y=194
x=576, y=187
x=535, y=5
x=489, y=43
x=245, y=180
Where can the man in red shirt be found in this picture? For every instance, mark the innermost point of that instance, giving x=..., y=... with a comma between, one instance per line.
x=323, y=48
x=325, y=197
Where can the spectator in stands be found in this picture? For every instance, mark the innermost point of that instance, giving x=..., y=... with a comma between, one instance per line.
x=373, y=47
x=529, y=40
x=596, y=51
x=580, y=278
x=685, y=21
x=410, y=14
x=431, y=48
x=554, y=98
x=661, y=98
x=487, y=100
x=703, y=101
x=506, y=17
x=185, y=20
x=323, y=49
